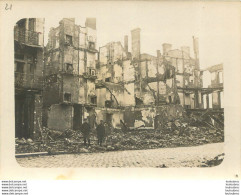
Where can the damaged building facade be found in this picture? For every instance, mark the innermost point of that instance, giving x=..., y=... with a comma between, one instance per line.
x=115, y=84
x=212, y=92
x=70, y=79
x=70, y=73
x=28, y=70
x=147, y=90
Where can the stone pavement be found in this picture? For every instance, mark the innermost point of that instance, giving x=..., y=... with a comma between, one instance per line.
x=162, y=157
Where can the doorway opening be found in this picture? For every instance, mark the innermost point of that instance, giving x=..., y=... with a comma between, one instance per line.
x=77, y=119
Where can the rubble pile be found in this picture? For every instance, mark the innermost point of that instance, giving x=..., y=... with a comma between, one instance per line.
x=51, y=141
x=28, y=146
x=173, y=134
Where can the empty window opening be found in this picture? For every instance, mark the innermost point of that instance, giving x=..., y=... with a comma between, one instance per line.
x=107, y=79
x=138, y=101
x=93, y=100
x=92, y=72
x=69, y=67
x=20, y=67
x=91, y=45
x=69, y=39
x=67, y=97
x=170, y=99
x=19, y=56
x=31, y=69
x=108, y=103
x=31, y=24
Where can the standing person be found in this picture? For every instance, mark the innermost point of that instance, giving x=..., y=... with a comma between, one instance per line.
x=100, y=132
x=85, y=129
x=108, y=130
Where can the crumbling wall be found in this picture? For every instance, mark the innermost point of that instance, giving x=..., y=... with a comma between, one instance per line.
x=129, y=85
x=91, y=60
x=51, y=90
x=167, y=113
x=53, y=41
x=100, y=114
x=81, y=62
x=60, y=117
x=129, y=116
x=82, y=37
x=103, y=55
x=179, y=81
x=118, y=51
x=116, y=115
x=170, y=112
x=68, y=55
x=181, y=96
x=101, y=97
x=39, y=27
x=118, y=92
x=91, y=34
x=117, y=73
x=148, y=98
x=215, y=99
x=53, y=62
x=151, y=117
x=71, y=85
x=192, y=100
x=149, y=68
x=216, y=75
x=81, y=91
x=145, y=116
x=129, y=95
x=90, y=90
x=112, y=52
x=77, y=51
x=103, y=73
x=38, y=104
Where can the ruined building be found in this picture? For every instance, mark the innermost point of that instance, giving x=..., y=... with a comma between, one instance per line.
x=28, y=69
x=212, y=92
x=115, y=86
x=188, y=77
x=69, y=80
x=137, y=87
x=70, y=74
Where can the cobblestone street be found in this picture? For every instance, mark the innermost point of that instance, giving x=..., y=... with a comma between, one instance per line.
x=163, y=157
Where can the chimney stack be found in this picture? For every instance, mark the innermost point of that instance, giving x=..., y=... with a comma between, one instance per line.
x=196, y=51
x=126, y=43
x=136, y=45
x=166, y=48
x=91, y=23
x=158, y=53
x=196, y=47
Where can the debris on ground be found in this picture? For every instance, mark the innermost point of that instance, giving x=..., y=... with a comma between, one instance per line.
x=213, y=162
x=176, y=133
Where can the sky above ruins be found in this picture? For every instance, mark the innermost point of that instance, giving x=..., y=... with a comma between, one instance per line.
x=160, y=23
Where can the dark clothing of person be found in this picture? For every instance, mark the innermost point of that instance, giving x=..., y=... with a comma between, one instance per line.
x=100, y=133
x=85, y=140
x=85, y=129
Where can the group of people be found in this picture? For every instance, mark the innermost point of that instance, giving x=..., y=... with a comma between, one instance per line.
x=102, y=130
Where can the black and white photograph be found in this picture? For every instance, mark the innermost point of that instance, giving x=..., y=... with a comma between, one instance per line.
x=113, y=105
x=117, y=85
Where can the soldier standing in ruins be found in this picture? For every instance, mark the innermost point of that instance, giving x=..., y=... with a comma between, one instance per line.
x=100, y=132
x=85, y=130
